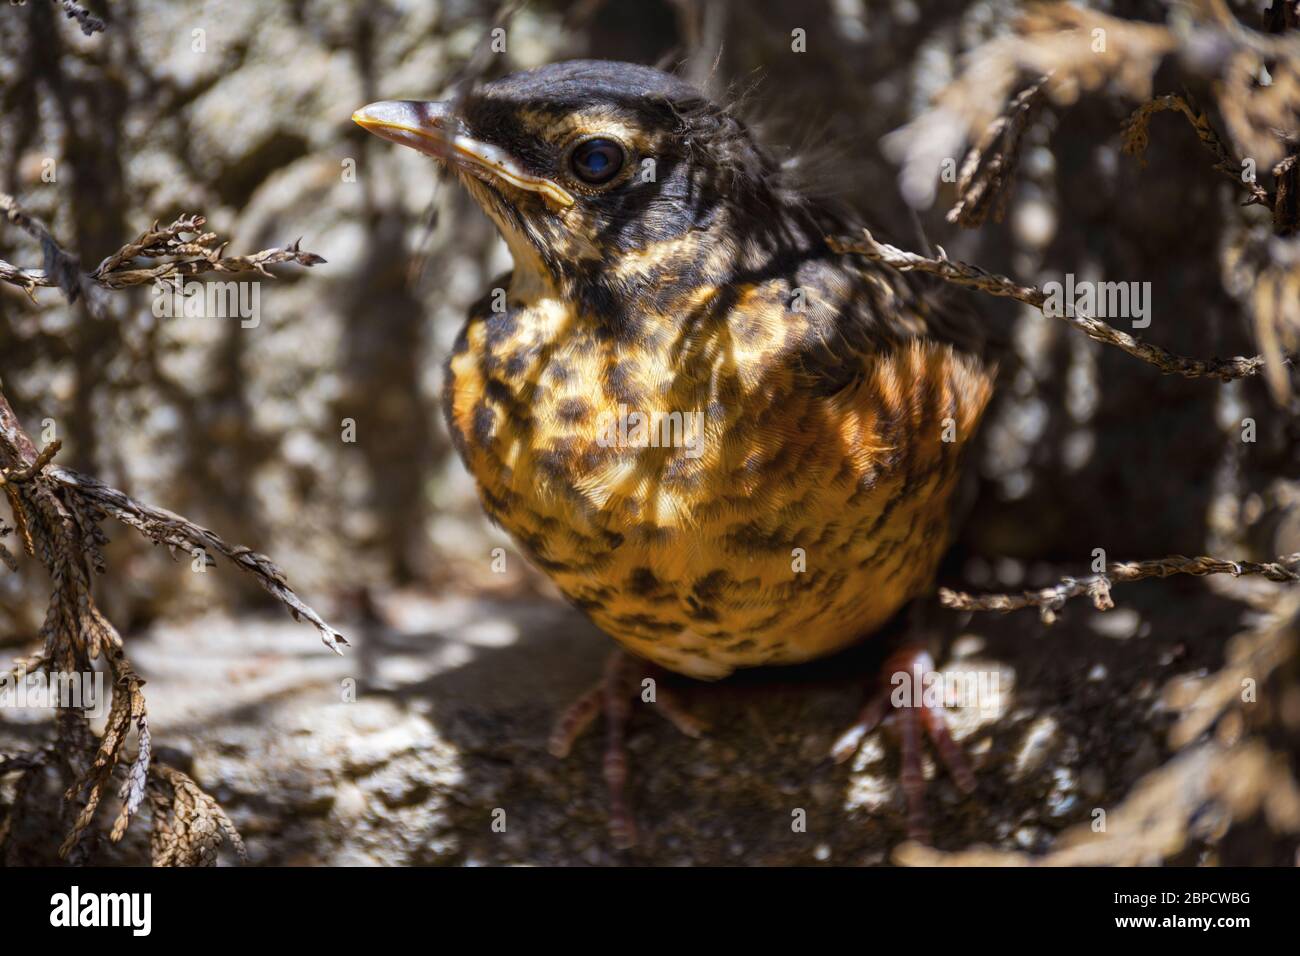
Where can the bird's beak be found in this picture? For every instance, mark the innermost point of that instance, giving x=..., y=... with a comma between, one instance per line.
x=432, y=128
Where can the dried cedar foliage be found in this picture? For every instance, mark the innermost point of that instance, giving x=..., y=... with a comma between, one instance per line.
x=1056, y=52
x=183, y=248
x=990, y=166
x=188, y=825
x=1065, y=51
x=972, y=276
x=57, y=519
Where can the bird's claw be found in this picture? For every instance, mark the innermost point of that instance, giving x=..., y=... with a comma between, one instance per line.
x=613, y=695
x=910, y=716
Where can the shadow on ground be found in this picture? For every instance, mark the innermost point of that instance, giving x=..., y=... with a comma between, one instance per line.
x=433, y=727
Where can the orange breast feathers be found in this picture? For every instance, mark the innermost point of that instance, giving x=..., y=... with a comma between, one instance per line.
x=788, y=525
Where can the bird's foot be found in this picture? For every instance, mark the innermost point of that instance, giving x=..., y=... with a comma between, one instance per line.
x=613, y=694
x=911, y=714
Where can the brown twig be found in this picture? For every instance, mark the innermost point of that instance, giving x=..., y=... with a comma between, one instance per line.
x=166, y=527
x=89, y=23
x=1097, y=586
x=990, y=167
x=1137, y=137
x=157, y=524
x=27, y=472
x=188, y=256
x=62, y=269
x=11, y=477
x=965, y=274
x=183, y=245
x=58, y=515
x=188, y=824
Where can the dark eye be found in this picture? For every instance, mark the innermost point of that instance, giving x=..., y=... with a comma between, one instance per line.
x=597, y=161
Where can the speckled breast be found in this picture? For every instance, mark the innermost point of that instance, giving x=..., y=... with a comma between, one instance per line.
x=774, y=525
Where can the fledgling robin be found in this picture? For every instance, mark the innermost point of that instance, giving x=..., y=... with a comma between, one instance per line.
x=728, y=445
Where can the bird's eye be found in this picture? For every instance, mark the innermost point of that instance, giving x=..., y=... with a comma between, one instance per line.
x=597, y=161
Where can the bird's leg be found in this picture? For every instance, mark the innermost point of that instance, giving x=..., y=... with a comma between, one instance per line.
x=618, y=688
x=613, y=694
x=671, y=707
x=912, y=716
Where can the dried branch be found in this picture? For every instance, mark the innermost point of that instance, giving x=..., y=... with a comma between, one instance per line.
x=990, y=167
x=165, y=527
x=1097, y=586
x=133, y=789
x=1136, y=139
x=36, y=467
x=20, y=520
x=188, y=825
x=127, y=712
x=1070, y=50
x=965, y=274
x=185, y=248
x=63, y=531
x=1054, y=42
x=161, y=527
x=189, y=256
x=57, y=514
x=62, y=269
x=89, y=23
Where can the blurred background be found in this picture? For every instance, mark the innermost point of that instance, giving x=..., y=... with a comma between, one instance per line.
x=240, y=112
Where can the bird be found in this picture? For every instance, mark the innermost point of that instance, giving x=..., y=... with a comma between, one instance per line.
x=728, y=445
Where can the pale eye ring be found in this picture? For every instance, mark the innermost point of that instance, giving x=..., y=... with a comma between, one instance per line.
x=598, y=160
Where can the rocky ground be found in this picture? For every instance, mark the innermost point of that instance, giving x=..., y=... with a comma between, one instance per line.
x=1134, y=712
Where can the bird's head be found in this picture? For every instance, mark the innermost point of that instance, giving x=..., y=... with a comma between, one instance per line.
x=592, y=167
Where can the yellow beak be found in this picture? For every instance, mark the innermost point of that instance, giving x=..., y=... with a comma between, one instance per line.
x=431, y=128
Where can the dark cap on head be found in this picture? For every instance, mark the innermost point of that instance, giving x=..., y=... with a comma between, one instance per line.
x=589, y=160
